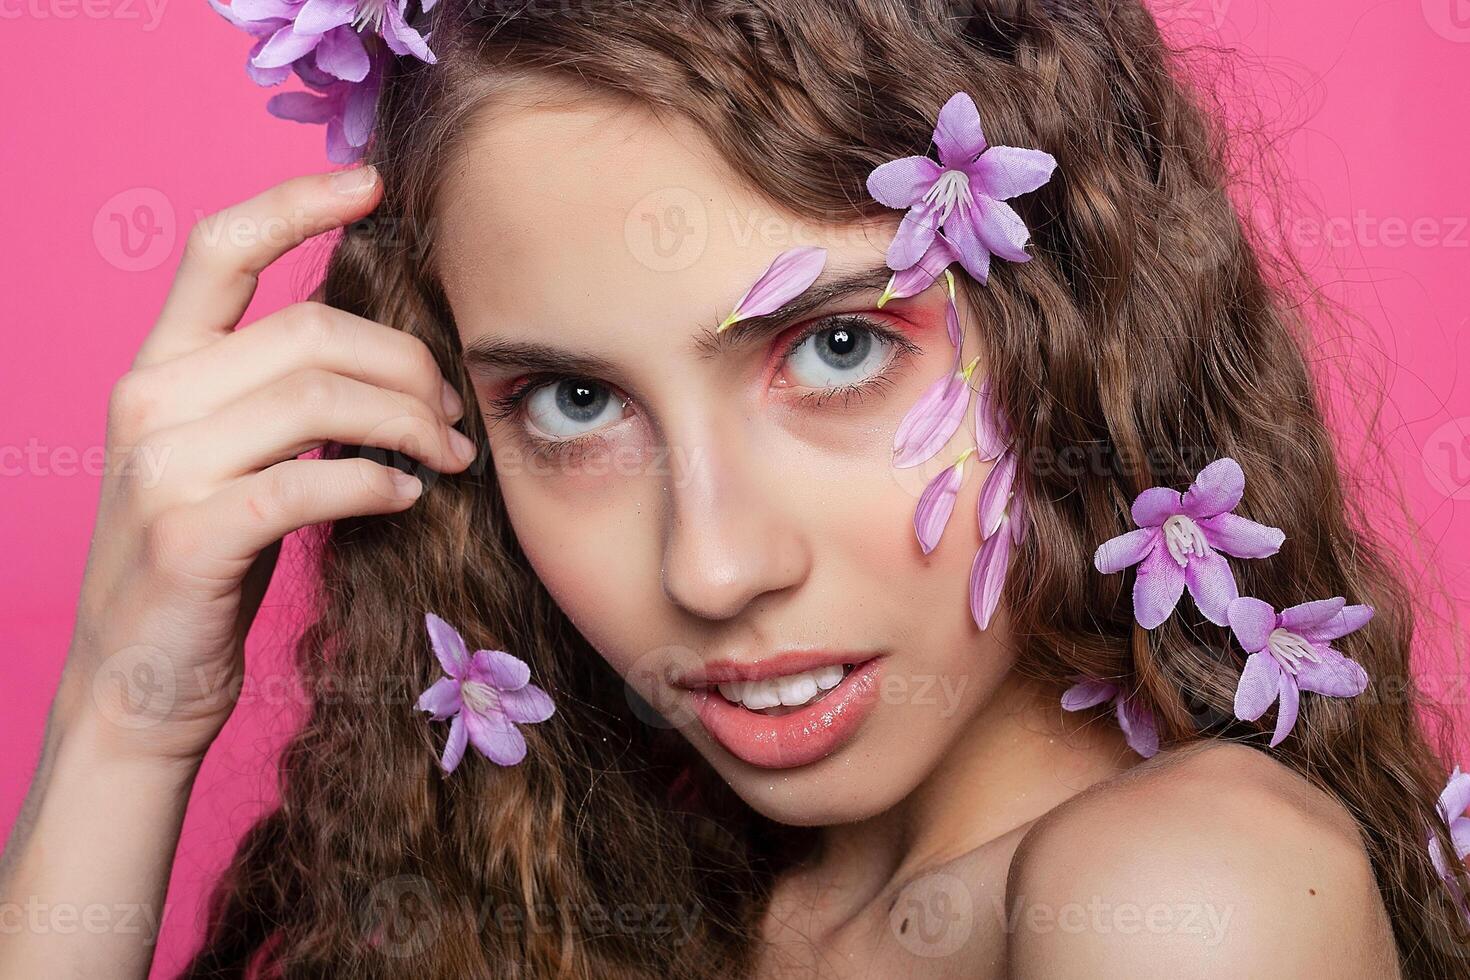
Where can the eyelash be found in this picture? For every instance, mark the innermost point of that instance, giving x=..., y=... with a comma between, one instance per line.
x=512, y=402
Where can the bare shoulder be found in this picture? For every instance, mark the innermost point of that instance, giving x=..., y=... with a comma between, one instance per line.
x=1209, y=860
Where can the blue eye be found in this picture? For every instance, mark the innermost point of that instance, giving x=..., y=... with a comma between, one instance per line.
x=847, y=352
x=572, y=407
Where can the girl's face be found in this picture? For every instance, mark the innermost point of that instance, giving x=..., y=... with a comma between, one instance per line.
x=708, y=507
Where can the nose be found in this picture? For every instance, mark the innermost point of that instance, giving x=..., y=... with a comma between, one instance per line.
x=731, y=536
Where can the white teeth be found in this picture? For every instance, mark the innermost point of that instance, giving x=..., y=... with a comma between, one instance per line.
x=790, y=691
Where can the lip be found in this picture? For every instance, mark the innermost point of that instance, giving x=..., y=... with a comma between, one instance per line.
x=794, y=662
x=800, y=737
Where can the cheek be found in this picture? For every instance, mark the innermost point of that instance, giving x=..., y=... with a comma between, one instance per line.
x=592, y=559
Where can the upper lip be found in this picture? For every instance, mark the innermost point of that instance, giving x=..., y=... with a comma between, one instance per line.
x=763, y=668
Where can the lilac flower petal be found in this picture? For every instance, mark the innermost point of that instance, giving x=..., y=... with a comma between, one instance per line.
x=1259, y=686
x=1286, y=711
x=501, y=670
x=1217, y=488
x=321, y=16
x=971, y=252
x=915, y=235
x=1460, y=836
x=902, y=183
x=448, y=645
x=987, y=577
x=302, y=107
x=256, y=10
x=527, y=704
x=991, y=435
x=1155, y=506
x=342, y=55
x=454, y=745
x=1211, y=584
x=361, y=109
x=1251, y=620
x=1306, y=615
x=401, y=38
x=1116, y=554
x=340, y=149
x=1140, y=729
x=441, y=699
x=995, y=493
x=1000, y=228
x=1006, y=171
x=314, y=76
x=495, y=737
x=284, y=47
x=789, y=275
x=1240, y=536
x=1335, y=675
x=1087, y=693
x=932, y=421
x=1350, y=618
x=1157, y=587
x=1454, y=800
x=264, y=76
x=227, y=12
x=952, y=326
x=921, y=275
x=958, y=135
x=936, y=504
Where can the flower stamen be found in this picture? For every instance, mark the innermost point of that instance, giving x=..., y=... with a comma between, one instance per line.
x=1290, y=650
x=1184, y=538
x=952, y=187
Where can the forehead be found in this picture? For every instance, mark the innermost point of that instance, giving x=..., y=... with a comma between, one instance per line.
x=596, y=211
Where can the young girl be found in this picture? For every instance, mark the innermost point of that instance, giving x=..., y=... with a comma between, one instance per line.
x=769, y=444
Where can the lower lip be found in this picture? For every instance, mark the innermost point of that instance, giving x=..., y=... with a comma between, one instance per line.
x=799, y=737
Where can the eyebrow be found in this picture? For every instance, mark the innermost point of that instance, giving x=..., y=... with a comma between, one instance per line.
x=493, y=352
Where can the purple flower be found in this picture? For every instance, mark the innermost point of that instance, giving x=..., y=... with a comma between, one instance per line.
x=337, y=47
x=1452, y=804
x=789, y=275
x=486, y=694
x=1178, y=541
x=962, y=194
x=347, y=108
x=1134, y=717
x=1290, y=653
x=333, y=30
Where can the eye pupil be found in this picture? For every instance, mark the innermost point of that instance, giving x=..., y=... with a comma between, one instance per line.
x=580, y=400
x=843, y=347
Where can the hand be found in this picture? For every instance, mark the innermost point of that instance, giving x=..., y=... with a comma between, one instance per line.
x=203, y=481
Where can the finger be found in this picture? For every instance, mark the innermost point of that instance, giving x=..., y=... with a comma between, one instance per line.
x=226, y=252
x=310, y=335
x=226, y=531
x=302, y=412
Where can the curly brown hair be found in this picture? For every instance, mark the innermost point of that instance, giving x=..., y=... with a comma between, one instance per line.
x=1146, y=338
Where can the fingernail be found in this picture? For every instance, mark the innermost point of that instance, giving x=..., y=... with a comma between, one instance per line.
x=406, y=485
x=449, y=398
x=355, y=181
x=463, y=448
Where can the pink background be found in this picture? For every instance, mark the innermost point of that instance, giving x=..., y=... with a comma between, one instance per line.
x=119, y=114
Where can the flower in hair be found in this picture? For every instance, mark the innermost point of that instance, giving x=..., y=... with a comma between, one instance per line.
x=1178, y=541
x=486, y=694
x=337, y=47
x=1453, y=802
x=1290, y=652
x=789, y=275
x=1134, y=717
x=962, y=195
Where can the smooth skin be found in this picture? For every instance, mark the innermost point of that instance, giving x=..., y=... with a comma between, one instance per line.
x=964, y=827
x=213, y=421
